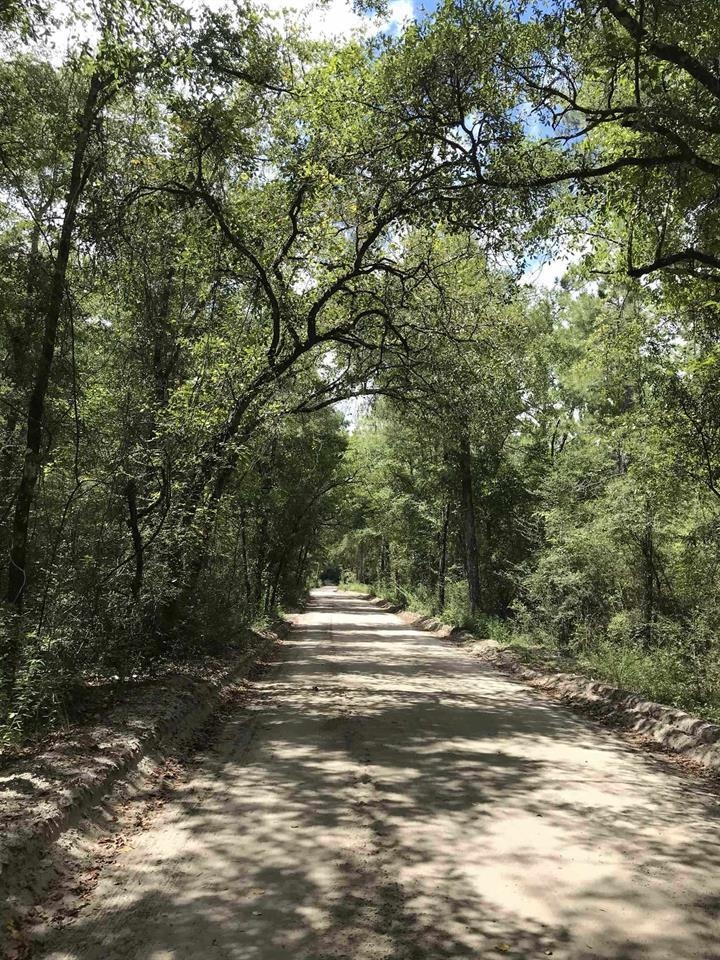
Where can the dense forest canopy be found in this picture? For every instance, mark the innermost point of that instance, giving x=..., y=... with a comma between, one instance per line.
x=216, y=229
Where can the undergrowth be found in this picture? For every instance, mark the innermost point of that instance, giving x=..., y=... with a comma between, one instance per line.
x=65, y=676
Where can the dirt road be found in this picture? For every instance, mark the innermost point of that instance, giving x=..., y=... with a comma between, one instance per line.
x=387, y=796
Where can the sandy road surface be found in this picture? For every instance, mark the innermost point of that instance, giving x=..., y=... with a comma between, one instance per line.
x=386, y=796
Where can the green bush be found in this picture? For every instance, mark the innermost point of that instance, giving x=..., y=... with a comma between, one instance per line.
x=668, y=674
x=354, y=586
x=457, y=606
x=44, y=685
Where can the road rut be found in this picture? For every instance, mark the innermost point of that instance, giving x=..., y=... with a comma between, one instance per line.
x=385, y=796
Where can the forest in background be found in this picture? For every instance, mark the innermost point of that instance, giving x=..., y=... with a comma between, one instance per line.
x=215, y=229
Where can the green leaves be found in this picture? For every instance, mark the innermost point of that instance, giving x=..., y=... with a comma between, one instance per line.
x=267, y=226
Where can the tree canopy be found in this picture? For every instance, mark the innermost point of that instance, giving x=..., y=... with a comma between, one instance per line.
x=217, y=234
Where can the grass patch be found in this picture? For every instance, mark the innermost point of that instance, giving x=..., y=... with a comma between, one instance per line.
x=354, y=586
x=667, y=675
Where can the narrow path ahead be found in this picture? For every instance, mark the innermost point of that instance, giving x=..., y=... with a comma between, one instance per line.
x=386, y=796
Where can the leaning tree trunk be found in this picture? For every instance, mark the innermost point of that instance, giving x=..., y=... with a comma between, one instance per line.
x=34, y=433
x=17, y=575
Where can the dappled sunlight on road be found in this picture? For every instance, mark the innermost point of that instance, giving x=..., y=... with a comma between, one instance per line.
x=386, y=796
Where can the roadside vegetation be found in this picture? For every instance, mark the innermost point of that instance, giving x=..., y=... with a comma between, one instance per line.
x=215, y=231
x=593, y=507
x=573, y=512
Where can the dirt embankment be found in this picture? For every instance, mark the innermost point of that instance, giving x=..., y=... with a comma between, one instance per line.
x=45, y=792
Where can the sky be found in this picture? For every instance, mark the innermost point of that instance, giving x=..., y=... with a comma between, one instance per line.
x=546, y=274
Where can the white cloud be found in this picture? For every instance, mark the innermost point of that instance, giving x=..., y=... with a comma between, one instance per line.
x=337, y=19
x=331, y=19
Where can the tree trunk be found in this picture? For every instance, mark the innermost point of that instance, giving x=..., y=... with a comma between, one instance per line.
x=20, y=349
x=17, y=575
x=361, y=563
x=17, y=571
x=472, y=561
x=137, y=541
x=648, y=604
x=245, y=568
x=302, y=560
x=442, y=565
x=273, y=595
x=385, y=564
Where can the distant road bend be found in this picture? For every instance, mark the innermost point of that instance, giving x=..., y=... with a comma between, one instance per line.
x=385, y=796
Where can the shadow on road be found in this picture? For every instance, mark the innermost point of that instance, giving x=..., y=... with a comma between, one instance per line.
x=399, y=801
